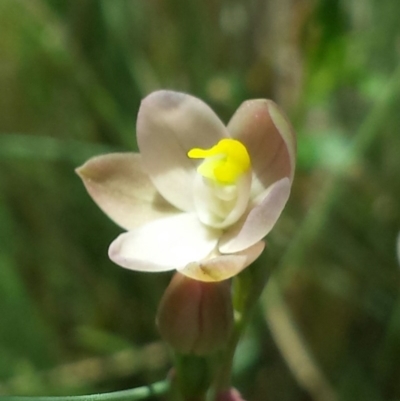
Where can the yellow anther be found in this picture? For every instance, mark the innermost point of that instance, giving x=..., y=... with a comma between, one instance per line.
x=224, y=162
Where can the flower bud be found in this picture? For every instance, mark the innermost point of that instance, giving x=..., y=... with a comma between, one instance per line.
x=229, y=395
x=195, y=317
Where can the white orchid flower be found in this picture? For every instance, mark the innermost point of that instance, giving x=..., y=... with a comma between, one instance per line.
x=200, y=196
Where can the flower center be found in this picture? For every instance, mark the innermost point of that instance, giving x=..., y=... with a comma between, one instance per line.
x=224, y=163
x=222, y=185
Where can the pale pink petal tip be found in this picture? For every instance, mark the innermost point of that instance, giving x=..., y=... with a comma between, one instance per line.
x=219, y=267
x=259, y=221
x=286, y=130
x=118, y=253
x=120, y=187
x=269, y=138
x=165, y=244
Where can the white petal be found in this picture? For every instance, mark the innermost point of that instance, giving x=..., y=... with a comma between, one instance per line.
x=165, y=244
x=269, y=138
x=219, y=267
x=169, y=125
x=213, y=205
x=118, y=185
x=259, y=221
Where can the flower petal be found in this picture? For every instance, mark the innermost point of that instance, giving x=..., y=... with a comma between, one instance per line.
x=269, y=138
x=219, y=267
x=259, y=221
x=165, y=244
x=118, y=185
x=169, y=125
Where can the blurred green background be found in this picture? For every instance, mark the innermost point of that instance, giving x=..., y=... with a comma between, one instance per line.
x=72, y=74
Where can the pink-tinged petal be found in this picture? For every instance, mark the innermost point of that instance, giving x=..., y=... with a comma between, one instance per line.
x=119, y=186
x=285, y=128
x=217, y=267
x=259, y=221
x=165, y=244
x=269, y=138
x=169, y=125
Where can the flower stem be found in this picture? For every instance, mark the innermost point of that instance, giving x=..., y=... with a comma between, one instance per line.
x=223, y=378
x=139, y=393
x=192, y=377
x=247, y=289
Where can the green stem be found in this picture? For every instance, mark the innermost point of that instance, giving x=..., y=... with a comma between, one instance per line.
x=192, y=377
x=223, y=379
x=247, y=289
x=139, y=393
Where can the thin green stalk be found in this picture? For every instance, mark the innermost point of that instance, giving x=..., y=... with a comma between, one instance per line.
x=139, y=393
x=223, y=379
x=191, y=379
x=247, y=289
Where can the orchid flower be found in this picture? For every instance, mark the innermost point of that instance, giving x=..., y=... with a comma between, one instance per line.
x=200, y=196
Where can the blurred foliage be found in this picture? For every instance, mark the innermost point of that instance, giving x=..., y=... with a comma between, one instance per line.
x=72, y=74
